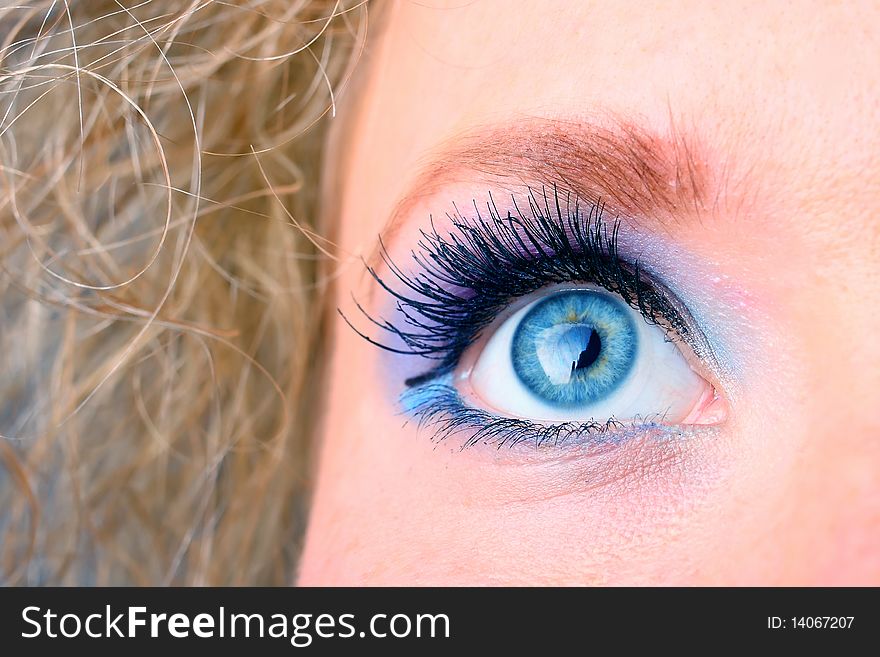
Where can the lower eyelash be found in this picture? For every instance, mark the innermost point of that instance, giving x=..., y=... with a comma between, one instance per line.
x=437, y=405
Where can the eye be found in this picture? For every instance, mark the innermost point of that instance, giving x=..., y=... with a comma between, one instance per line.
x=580, y=353
x=592, y=342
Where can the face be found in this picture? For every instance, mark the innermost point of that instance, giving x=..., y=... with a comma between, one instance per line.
x=639, y=332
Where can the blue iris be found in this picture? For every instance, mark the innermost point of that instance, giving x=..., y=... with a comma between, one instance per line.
x=574, y=347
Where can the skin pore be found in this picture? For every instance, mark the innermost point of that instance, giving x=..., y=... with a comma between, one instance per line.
x=740, y=145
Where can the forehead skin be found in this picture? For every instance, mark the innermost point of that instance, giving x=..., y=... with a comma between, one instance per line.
x=785, y=99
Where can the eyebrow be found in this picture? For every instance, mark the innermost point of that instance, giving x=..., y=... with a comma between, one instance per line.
x=632, y=170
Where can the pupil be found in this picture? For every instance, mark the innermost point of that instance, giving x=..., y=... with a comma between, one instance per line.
x=590, y=353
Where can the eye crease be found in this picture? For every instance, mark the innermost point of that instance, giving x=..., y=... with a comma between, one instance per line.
x=588, y=343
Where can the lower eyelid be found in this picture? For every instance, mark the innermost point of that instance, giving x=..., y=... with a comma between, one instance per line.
x=614, y=467
x=438, y=406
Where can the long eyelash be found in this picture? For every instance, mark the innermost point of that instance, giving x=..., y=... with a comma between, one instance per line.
x=464, y=277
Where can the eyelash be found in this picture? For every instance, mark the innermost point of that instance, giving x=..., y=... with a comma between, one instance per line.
x=464, y=278
x=438, y=406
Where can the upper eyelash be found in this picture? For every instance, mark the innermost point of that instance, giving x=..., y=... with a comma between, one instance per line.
x=464, y=278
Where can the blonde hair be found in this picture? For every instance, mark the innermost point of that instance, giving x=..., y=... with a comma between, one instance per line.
x=160, y=283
